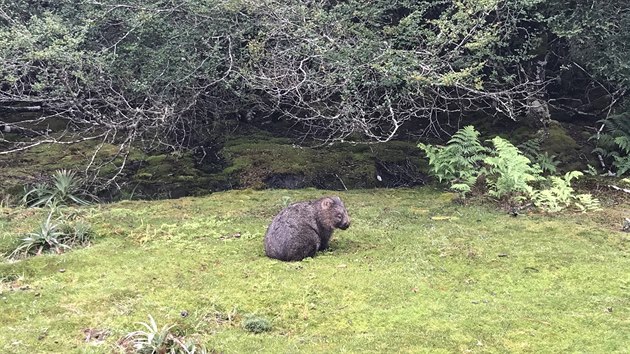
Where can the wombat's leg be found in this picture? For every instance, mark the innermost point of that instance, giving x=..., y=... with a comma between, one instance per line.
x=323, y=240
x=304, y=250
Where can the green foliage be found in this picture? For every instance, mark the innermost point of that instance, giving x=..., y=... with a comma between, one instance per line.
x=510, y=174
x=256, y=324
x=179, y=73
x=586, y=202
x=51, y=41
x=155, y=340
x=622, y=162
x=286, y=201
x=614, y=142
x=180, y=70
x=532, y=150
x=66, y=188
x=595, y=36
x=56, y=234
x=559, y=195
x=77, y=233
x=461, y=188
x=459, y=162
x=591, y=170
x=48, y=236
x=118, y=66
x=376, y=58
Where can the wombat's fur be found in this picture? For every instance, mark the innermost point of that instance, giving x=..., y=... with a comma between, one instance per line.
x=302, y=229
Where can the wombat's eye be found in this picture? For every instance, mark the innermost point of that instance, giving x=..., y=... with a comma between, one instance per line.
x=339, y=216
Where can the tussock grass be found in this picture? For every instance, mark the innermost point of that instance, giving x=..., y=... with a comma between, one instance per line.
x=414, y=273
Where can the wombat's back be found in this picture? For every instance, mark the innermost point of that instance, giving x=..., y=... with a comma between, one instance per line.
x=291, y=236
x=301, y=229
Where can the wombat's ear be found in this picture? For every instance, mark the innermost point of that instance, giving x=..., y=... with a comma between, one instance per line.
x=327, y=203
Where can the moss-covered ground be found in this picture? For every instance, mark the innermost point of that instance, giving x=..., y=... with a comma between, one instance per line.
x=257, y=160
x=414, y=273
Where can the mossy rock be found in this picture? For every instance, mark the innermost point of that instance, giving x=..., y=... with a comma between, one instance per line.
x=559, y=142
x=276, y=163
x=256, y=161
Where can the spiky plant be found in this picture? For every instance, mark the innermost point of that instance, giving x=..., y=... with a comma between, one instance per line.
x=48, y=236
x=77, y=233
x=155, y=340
x=65, y=189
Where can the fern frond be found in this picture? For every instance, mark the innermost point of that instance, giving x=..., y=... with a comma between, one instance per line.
x=572, y=175
x=624, y=143
x=511, y=172
x=546, y=200
x=586, y=202
x=460, y=160
x=614, y=143
x=602, y=151
x=532, y=150
x=461, y=188
x=560, y=195
x=622, y=163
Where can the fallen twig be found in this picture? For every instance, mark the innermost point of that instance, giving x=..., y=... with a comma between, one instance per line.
x=619, y=188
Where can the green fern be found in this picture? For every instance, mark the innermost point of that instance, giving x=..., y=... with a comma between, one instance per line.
x=459, y=162
x=532, y=150
x=560, y=195
x=586, y=202
x=622, y=163
x=614, y=143
x=624, y=143
x=510, y=172
x=461, y=188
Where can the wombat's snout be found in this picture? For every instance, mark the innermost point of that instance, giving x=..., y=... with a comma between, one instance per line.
x=344, y=224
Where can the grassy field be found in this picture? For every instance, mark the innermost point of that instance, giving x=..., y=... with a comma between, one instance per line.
x=414, y=273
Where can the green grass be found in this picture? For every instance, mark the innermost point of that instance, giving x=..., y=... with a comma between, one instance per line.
x=414, y=273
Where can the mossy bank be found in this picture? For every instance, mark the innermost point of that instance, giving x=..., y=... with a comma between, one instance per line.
x=257, y=161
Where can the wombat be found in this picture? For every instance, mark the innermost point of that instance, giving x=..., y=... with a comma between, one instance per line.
x=302, y=229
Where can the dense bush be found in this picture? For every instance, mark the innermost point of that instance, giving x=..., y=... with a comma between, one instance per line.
x=176, y=72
